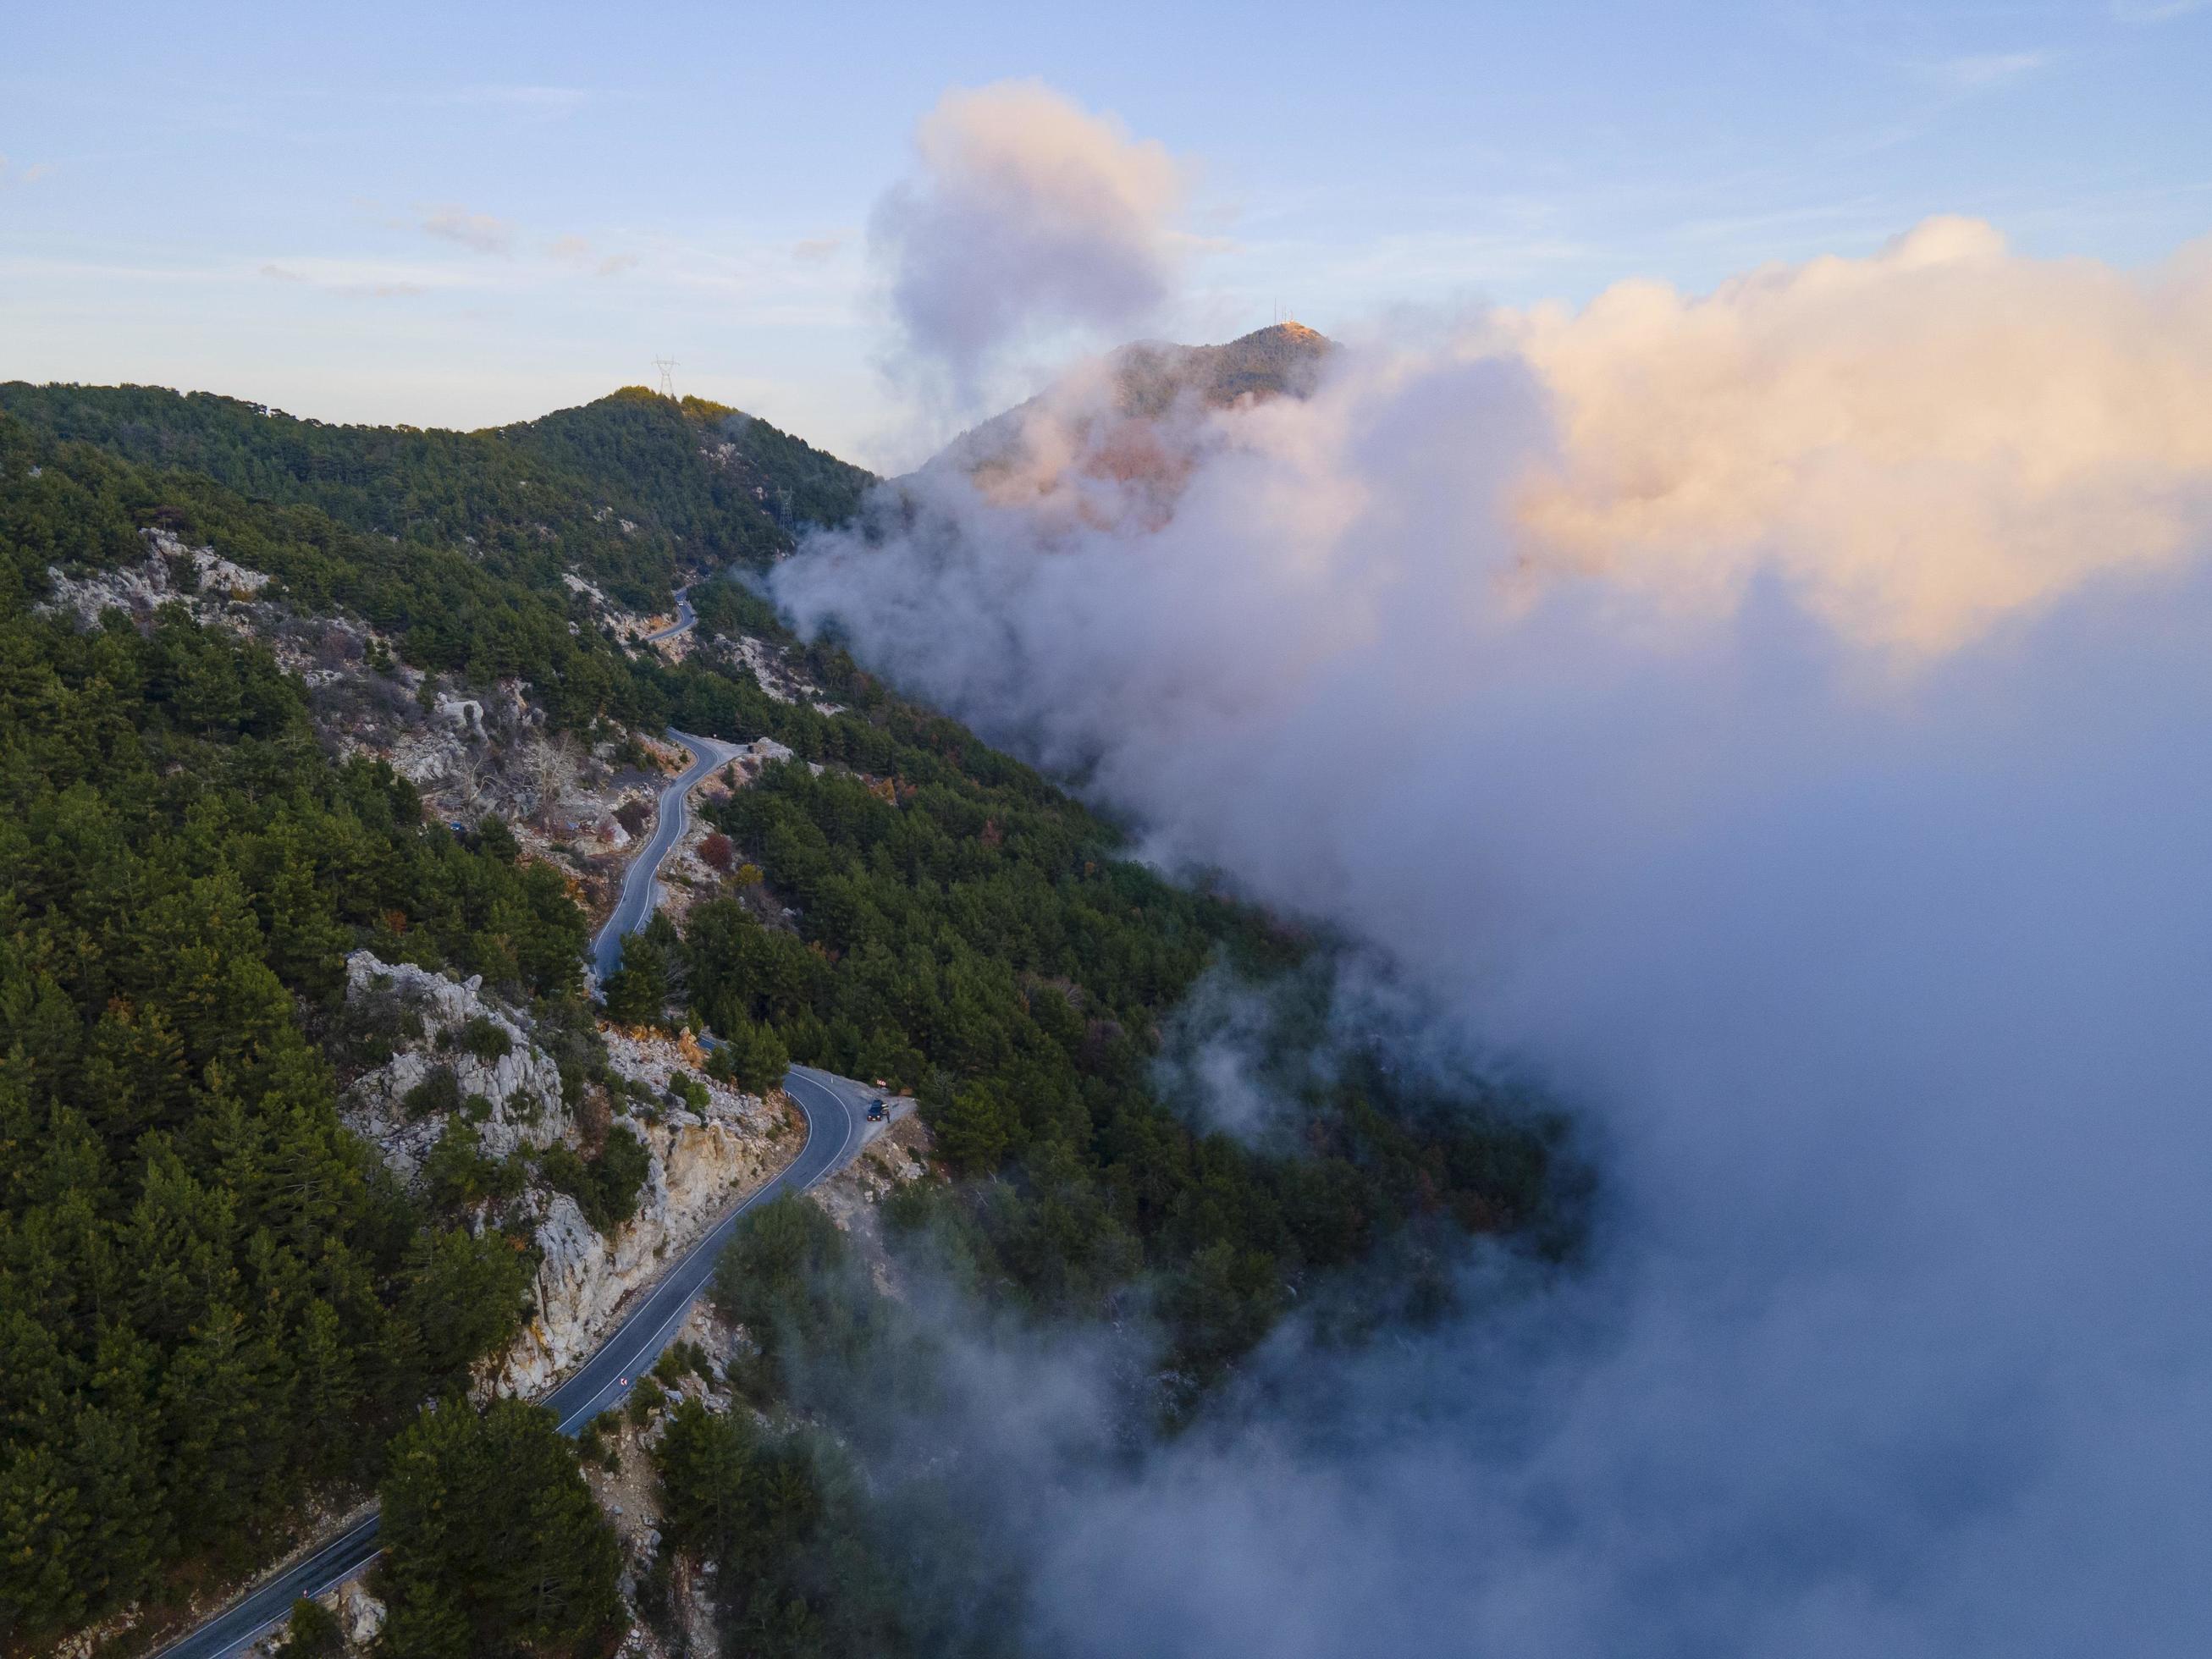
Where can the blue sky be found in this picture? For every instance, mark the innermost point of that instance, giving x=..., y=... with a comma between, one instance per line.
x=463, y=214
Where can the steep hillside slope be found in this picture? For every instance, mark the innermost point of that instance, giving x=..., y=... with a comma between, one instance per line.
x=218, y=627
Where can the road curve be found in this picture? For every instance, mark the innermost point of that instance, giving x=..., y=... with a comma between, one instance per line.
x=836, y=1110
x=642, y=882
x=686, y=620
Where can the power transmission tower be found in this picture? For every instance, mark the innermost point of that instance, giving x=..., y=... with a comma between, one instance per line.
x=666, y=366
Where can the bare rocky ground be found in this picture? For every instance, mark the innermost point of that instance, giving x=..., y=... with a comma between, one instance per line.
x=627, y=1490
x=581, y=804
x=766, y=660
x=455, y=1027
x=900, y=1154
x=473, y=751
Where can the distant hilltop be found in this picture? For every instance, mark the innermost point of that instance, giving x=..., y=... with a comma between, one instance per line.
x=1285, y=359
x=1148, y=377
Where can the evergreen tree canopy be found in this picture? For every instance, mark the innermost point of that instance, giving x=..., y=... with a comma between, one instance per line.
x=494, y=1545
x=210, y=1293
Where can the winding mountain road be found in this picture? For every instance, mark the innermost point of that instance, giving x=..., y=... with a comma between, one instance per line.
x=642, y=884
x=836, y=1110
x=686, y=620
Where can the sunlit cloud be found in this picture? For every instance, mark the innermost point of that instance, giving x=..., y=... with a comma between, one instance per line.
x=1026, y=215
x=1560, y=660
x=481, y=232
x=579, y=254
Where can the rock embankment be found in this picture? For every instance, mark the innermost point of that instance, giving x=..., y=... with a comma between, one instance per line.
x=705, y=1156
x=456, y=1052
x=197, y=578
x=703, y=1161
x=509, y=1087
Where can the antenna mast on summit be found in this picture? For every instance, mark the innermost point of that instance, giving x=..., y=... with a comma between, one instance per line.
x=666, y=366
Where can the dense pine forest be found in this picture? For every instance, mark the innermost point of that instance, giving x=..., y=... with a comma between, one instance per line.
x=211, y=1296
x=214, y=1301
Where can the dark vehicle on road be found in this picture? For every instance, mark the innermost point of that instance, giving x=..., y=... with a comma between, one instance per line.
x=877, y=1112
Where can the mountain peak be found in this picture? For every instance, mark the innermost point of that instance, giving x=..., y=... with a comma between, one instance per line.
x=1282, y=359
x=1144, y=384
x=1287, y=333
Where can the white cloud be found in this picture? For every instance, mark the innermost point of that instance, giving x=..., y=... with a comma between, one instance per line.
x=579, y=254
x=479, y=232
x=1560, y=662
x=1028, y=216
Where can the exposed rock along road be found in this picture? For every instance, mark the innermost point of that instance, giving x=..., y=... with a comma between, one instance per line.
x=834, y=1108
x=686, y=620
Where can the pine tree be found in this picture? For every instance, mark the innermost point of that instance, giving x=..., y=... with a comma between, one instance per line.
x=751, y=1056
x=493, y=1545
x=312, y=1632
x=637, y=991
x=41, y=1532
x=973, y=1129
x=704, y=1460
x=328, y=1393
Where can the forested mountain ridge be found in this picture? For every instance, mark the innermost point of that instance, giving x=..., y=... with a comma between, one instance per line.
x=633, y=491
x=893, y=899
x=726, y=485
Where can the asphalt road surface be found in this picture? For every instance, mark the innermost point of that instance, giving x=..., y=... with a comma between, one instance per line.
x=641, y=884
x=836, y=1109
x=686, y=619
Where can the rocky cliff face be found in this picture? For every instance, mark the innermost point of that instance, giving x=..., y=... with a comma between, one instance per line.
x=703, y=1156
x=473, y=751
x=197, y=578
x=702, y=1163
x=522, y=1084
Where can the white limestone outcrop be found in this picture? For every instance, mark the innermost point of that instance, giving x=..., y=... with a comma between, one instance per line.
x=142, y=588
x=361, y=1615
x=702, y=1162
x=523, y=1086
x=702, y=1158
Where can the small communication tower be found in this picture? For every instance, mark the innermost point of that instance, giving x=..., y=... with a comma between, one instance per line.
x=667, y=367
